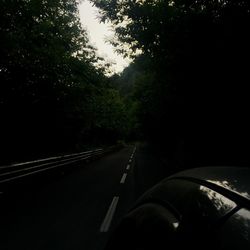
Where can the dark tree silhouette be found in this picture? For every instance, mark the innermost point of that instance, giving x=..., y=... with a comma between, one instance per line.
x=192, y=75
x=54, y=95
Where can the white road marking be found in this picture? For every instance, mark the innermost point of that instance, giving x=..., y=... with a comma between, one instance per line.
x=128, y=167
x=130, y=160
x=123, y=178
x=109, y=216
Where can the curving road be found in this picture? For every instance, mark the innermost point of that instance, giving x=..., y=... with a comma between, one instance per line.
x=76, y=210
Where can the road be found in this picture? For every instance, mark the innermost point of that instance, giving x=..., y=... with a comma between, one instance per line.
x=77, y=210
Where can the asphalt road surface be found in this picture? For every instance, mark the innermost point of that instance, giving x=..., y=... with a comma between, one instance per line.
x=77, y=210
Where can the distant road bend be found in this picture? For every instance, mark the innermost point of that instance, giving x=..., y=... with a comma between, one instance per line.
x=76, y=210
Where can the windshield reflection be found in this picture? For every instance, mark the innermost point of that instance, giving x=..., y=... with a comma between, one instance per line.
x=220, y=202
x=243, y=217
x=231, y=186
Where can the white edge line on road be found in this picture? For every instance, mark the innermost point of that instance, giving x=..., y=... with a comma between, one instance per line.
x=128, y=167
x=109, y=216
x=123, y=178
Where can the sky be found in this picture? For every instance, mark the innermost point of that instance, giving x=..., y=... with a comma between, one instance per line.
x=98, y=34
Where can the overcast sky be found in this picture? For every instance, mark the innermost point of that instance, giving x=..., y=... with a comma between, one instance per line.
x=98, y=33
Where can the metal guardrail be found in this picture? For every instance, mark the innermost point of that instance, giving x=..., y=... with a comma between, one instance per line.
x=18, y=171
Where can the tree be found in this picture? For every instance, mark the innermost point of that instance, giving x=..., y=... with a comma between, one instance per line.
x=52, y=84
x=193, y=92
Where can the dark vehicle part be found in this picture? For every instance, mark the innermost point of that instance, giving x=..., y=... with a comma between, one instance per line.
x=203, y=208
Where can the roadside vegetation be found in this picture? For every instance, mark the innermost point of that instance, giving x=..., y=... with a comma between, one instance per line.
x=54, y=94
x=189, y=82
x=186, y=90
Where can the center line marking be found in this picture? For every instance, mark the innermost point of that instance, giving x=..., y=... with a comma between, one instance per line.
x=109, y=216
x=123, y=178
x=130, y=160
x=128, y=167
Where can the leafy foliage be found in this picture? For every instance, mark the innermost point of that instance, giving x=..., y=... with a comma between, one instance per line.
x=53, y=88
x=192, y=77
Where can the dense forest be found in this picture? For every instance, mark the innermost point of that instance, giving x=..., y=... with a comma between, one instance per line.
x=189, y=80
x=55, y=96
x=186, y=90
